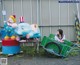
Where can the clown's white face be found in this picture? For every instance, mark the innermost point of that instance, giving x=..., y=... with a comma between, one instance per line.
x=10, y=20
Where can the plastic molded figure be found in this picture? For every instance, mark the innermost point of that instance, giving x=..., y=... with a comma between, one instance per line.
x=35, y=32
x=10, y=45
x=12, y=33
x=9, y=27
x=26, y=31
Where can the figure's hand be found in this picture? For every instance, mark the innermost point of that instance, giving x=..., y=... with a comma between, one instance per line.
x=18, y=38
x=61, y=41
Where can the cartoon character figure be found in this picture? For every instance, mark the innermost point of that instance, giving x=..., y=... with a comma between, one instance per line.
x=22, y=29
x=9, y=27
x=10, y=45
x=35, y=31
x=26, y=31
x=12, y=21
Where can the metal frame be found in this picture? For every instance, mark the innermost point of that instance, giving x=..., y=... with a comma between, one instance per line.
x=57, y=26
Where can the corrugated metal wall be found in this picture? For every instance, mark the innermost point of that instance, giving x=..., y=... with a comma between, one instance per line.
x=48, y=14
x=55, y=15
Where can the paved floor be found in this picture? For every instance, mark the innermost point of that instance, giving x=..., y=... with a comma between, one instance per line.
x=44, y=61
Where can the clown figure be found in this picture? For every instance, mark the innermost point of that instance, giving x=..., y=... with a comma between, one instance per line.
x=12, y=21
x=10, y=45
x=10, y=26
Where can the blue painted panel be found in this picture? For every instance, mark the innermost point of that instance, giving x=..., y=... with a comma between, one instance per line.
x=10, y=49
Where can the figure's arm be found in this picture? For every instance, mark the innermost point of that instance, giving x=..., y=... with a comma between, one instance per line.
x=56, y=38
x=60, y=40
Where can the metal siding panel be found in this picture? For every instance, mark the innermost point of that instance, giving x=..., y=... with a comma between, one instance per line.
x=0, y=15
x=7, y=8
x=44, y=16
x=79, y=11
x=34, y=11
x=64, y=14
x=1, y=20
x=54, y=13
x=27, y=11
x=72, y=10
x=45, y=12
x=17, y=9
x=72, y=34
x=54, y=30
x=45, y=31
x=73, y=38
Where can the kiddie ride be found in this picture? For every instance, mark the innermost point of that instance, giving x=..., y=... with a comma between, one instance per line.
x=57, y=48
x=12, y=33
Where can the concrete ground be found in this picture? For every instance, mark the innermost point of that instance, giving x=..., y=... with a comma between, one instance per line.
x=42, y=60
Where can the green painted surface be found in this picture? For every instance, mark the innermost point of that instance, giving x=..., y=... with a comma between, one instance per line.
x=65, y=47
